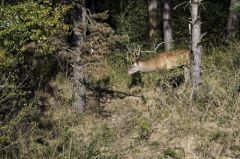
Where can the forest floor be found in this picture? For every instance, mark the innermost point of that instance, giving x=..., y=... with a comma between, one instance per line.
x=163, y=126
x=158, y=120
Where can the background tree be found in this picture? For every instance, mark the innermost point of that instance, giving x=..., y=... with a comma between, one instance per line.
x=79, y=77
x=195, y=43
x=93, y=40
x=152, y=16
x=167, y=29
x=233, y=20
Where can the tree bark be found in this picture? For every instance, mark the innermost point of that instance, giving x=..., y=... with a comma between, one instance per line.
x=167, y=29
x=195, y=45
x=233, y=20
x=79, y=89
x=79, y=77
x=152, y=16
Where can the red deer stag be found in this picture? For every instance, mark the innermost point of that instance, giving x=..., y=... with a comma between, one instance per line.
x=164, y=61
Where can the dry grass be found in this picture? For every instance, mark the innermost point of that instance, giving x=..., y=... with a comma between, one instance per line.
x=165, y=123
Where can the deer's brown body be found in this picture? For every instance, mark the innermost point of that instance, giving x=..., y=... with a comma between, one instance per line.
x=163, y=61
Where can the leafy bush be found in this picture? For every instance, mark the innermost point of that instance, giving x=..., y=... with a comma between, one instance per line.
x=30, y=32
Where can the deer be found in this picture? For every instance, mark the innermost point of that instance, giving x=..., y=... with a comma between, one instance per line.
x=164, y=61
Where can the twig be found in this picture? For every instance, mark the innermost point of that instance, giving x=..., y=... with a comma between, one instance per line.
x=205, y=113
x=180, y=5
x=158, y=46
x=70, y=149
x=161, y=44
x=185, y=6
x=89, y=19
x=17, y=87
x=203, y=6
x=201, y=36
x=147, y=51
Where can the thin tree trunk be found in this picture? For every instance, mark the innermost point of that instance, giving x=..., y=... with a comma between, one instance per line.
x=195, y=46
x=167, y=29
x=152, y=16
x=233, y=20
x=79, y=77
x=79, y=88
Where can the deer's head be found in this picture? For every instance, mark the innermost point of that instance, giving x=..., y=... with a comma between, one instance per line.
x=134, y=68
x=134, y=56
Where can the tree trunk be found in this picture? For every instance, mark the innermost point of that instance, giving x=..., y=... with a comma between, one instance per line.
x=167, y=29
x=79, y=77
x=79, y=89
x=152, y=16
x=195, y=46
x=233, y=20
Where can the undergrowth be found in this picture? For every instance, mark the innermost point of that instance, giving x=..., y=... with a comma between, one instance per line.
x=158, y=118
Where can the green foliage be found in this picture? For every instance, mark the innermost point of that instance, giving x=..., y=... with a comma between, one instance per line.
x=238, y=8
x=217, y=135
x=133, y=20
x=119, y=79
x=214, y=18
x=103, y=137
x=144, y=127
x=17, y=111
x=12, y=94
x=27, y=30
x=171, y=153
x=31, y=22
x=5, y=60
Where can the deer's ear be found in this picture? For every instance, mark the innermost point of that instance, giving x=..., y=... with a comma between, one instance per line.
x=135, y=64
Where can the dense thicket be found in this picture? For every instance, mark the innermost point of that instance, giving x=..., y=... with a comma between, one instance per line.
x=30, y=35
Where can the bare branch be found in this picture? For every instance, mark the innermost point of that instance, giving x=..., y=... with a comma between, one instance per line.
x=180, y=5
x=161, y=44
x=158, y=46
x=201, y=36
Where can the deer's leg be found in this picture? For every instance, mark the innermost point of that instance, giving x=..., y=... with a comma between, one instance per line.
x=186, y=74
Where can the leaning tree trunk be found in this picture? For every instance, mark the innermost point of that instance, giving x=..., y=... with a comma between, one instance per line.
x=167, y=29
x=233, y=20
x=195, y=45
x=152, y=16
x=79, y=77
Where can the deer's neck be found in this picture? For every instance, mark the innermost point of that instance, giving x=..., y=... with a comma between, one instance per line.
x=145, y=66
